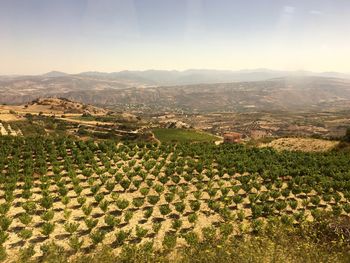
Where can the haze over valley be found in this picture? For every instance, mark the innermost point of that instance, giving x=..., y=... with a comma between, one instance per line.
x=192, y=90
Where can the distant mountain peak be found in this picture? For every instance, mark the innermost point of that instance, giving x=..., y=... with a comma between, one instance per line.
x=54, y=74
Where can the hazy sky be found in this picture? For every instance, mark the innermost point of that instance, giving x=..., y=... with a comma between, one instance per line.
x=37, y=36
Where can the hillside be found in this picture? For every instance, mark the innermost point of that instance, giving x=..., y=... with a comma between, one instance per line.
x=24, y=89
x=74, y=196
x=64, y=106
x=287, y=94
x=60, y=116
x=301, y=144
x=52, y=106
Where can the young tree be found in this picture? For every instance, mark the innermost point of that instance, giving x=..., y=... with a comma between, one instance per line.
x=97, y=236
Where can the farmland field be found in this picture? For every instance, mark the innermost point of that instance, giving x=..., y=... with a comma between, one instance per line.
x=182, y=135
x=81, y=195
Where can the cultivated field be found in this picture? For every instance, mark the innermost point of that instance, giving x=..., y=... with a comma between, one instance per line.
x=83, y=194
x=183, y=135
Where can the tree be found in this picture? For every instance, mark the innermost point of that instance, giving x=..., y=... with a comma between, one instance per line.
x=347, y=135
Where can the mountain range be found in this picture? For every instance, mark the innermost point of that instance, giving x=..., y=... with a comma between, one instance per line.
x=174, y=77
x=191, y=90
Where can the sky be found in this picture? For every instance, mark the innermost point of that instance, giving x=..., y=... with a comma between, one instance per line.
x=73, y=36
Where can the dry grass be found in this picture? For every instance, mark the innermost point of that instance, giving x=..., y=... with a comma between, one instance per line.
x=301, y=144
x=8, y=117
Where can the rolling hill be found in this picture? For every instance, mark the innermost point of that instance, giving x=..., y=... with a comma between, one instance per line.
x=124, y=88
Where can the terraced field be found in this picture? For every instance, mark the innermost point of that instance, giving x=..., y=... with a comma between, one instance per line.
x=83, y=194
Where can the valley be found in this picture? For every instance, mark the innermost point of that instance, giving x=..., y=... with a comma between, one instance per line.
x=88, y=173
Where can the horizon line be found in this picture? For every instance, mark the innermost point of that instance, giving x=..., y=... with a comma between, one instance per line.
x=177, y=70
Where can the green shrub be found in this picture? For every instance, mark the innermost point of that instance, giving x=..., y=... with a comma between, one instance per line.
x=111, y=221
x=26, y=253
x=128, y=215
x=164, y=209
x=25, y=234
x=148, y=212
x=3, y=237
x=138, y=202
x=153, y=199
x=104, y=205
x=192, y=218
x=169, y=241
x=5, y=222
x=48, y=215
x=71, y=227
x=97, y=236
x=121, y=236
x=156, y=227
x=75, y=243
x=25, y=219
x=195, y=205
x=176, y=224
x=47, y=228
x=141, y=232
x=122, y=204
x=191, y=238
x=87, y=209
x=90, y=223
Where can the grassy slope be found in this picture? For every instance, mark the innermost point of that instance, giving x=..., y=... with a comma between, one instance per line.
x=181, y=135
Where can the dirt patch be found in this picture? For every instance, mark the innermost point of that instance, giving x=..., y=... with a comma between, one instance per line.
x=9, y=117
x=301, y=144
